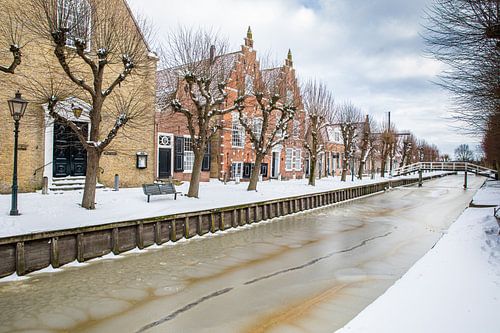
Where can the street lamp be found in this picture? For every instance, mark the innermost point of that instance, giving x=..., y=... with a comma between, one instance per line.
x=17, y=106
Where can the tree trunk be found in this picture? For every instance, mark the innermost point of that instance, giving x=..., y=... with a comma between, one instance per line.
x=254, y=177
x=194, y=183
x=312, y=171
x=93, y=157
x=382, y=166
x=361, y=168
x=344, y=170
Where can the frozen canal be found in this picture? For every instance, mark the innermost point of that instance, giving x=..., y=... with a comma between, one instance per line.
x=311, y=272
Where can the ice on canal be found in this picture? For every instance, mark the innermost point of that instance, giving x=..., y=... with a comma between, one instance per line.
x=309, y=272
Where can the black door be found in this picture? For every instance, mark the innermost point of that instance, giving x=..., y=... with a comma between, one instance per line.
x=274, y=165
x=70, y=158
x=164, y=162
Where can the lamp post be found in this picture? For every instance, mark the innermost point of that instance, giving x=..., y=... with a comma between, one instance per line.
x=17, y=106
x=352, y=162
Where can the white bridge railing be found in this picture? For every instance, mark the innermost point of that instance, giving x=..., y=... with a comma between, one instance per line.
x=445, y=166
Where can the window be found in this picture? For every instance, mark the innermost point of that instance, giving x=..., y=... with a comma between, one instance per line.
x=337, y=137
x=238, y=133
x=293, y=159
x=248, y=84
x=257, y=127
x=236, y=169
x=75, y=16
x=289, y=96
x=188, y=155
x=296, y=128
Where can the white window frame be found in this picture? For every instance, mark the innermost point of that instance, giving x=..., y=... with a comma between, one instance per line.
x=188, y=159
x=234, y=166
x=70, y=40
x=289, y=159
x=296, y=128
x=237, y=132
x=298, y=159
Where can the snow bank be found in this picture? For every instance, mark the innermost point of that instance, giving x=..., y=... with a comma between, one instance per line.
x=455, y=287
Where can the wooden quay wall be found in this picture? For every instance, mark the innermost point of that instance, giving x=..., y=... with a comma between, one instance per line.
x=31, y=252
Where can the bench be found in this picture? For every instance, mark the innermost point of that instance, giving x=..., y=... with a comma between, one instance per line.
x=159, y=189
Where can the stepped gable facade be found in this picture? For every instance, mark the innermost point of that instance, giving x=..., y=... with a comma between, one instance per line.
x=231, y=154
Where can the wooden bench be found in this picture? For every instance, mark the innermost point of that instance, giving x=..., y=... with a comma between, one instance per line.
x=159, y=189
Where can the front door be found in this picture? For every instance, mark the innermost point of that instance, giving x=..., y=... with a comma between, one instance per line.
x=164, y=163
x=70, y=158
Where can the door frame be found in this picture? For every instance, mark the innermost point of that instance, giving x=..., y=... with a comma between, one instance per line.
x=64, y=108
x=276, y=150
x=172, y=152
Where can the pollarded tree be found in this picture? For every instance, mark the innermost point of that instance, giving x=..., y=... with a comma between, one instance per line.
x=463, y=153
x=320, y=108
x=97, y=46
x=366, y=144
x=194, y=84
x=11, y=33
x=348, y=117
x=388, y=140
x=268, y=126
x=407, y=147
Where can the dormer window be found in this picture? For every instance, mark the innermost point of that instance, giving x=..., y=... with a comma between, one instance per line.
x=75, y=16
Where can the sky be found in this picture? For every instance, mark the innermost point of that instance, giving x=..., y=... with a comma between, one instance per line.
x=368, y=52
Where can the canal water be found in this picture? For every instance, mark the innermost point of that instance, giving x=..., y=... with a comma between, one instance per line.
x=309, y=272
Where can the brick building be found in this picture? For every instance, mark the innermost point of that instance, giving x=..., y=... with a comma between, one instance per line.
x=230, y=154
x=47, y=148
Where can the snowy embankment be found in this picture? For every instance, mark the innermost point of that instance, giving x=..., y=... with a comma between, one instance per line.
x=56, y=211
x=455, y=287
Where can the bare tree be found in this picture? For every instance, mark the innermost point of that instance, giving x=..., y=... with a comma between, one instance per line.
x=320, y=108
x=366, y=144
x=491, y=142
x=388, y=140
x=463, y=153
x=194, y=85
x=465, y=35
x=268, y=127
x=347, y=117
x=11, y=35
x=98, y=47
x=407, y=148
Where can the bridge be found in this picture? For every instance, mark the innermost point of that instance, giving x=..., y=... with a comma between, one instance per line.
x=446, y=166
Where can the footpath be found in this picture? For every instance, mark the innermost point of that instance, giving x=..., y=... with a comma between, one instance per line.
x=455, y=287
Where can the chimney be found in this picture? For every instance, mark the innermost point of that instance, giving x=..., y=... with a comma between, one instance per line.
x=212, y=54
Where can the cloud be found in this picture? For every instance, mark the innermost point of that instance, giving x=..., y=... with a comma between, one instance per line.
x=369, y=52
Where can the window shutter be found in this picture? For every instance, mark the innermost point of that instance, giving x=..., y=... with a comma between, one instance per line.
x=263, y=169
x=205, y=165
x=179, y=153
x=247, y=170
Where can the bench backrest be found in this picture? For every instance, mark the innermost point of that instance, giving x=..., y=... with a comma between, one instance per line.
x=151, y=189
x=167, y=188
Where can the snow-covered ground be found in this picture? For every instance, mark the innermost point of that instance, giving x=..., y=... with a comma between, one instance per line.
x=455, y=287
x=62, y=210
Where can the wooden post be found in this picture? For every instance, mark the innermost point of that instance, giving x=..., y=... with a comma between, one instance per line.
x=212, y=222
x=20, y=263
x=115, y=243
x=173, y=231
x=199, y=225
x=465, y=179
x=158, y=233
x=222, y=226
x=186, y=227
x=420, y=178
x=234, y=221
x=54, y=252
x=140, y=236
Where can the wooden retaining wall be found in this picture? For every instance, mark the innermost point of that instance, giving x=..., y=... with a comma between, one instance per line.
x=27, y=253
